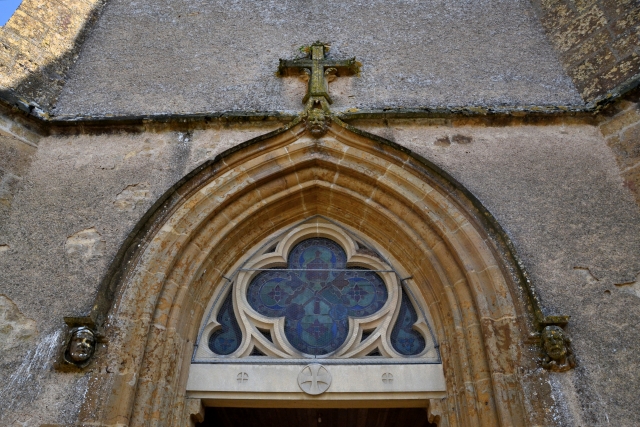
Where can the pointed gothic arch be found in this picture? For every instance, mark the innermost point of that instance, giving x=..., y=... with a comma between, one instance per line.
x=423, y=220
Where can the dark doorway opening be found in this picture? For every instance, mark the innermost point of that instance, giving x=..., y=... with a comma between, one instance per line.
x=312, y=417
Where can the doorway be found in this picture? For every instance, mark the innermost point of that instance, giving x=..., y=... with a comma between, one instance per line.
x=315, y=417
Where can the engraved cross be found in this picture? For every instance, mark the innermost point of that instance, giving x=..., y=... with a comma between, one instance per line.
x=387, y=378
x=319, y=70
x=242, y=377
x=315, y=378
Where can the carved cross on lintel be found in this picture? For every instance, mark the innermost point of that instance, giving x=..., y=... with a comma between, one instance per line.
x=319, y=71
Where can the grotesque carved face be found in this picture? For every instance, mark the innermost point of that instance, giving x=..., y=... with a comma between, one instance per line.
x=554, y=342
x=317, y=123
x=82, y=345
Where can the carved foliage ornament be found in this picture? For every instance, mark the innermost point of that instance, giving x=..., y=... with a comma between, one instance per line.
x=318, y=293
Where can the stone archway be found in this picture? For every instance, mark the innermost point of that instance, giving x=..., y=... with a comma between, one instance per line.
x=421, y=218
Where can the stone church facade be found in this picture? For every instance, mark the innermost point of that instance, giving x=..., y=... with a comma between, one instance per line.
x=427, y=206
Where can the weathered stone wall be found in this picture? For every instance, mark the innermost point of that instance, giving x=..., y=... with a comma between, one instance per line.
x=79, y=199
x=597, y=41
x=554, y=188
x=37, y=47
x=18, y=144
x=558, y=193
x=620, y=125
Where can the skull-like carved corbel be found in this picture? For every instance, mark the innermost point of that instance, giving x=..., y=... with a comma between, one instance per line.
x=556, y=348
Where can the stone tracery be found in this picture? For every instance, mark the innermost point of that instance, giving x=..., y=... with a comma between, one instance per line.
x=316, y=295
x=316, y=299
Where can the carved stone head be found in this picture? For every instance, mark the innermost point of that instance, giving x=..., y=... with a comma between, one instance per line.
x=556, y=345
x=82, y=345
x=317, y=122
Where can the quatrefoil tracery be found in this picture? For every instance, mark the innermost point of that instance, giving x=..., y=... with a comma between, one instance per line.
x=315, y=295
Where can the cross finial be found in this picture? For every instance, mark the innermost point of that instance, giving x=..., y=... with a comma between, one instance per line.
x=319, y=71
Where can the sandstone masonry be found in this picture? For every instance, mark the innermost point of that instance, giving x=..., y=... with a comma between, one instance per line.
x=597, y=41
x=620, y=125
x=37, y=47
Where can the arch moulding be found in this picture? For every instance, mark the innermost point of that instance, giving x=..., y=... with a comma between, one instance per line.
x=152, y=303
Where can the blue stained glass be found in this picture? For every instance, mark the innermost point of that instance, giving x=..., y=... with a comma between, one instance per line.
x=227, y=339
x=404, y=339
x=317, y=294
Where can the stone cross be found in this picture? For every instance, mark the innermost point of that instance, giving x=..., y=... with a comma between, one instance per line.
x=242, y=377
x=314, y=379
x=387, y=378
x=319, y=71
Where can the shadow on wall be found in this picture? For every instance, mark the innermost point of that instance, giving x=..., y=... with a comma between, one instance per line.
x=38, y=45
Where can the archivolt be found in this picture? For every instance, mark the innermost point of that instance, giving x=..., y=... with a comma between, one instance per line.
x=422, y=219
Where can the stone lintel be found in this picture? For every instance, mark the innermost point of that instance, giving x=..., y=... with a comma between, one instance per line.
x=388, y=384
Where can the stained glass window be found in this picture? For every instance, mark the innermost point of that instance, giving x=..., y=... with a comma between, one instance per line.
x=227, y=339
x=404, y=339
x=317, y=294
x=314, y=295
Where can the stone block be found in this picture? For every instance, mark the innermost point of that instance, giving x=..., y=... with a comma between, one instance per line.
x=11, y=129
x=15, y=328
x=219, y=380
x=20, y=48
x=8, y=188
x=29, y=28
x=614, y=8
x=582, y=5
x=26, y=58
x=588, y=69
x=631, y=134
x=551, y=4
x=6, y=66
x=629, y=20
x=557, y=15
x=622, y=120
x=15, y=155
x=589, y=46
x=579, y=29
x=82, y=7
x=55, y=44
x=630, y=100
x=632, y=182
x=627, y=44
x=627, y=151
x=85, y=244
x=48, y=14
x=69, y=22
x=132, y=196
x=607, y=81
